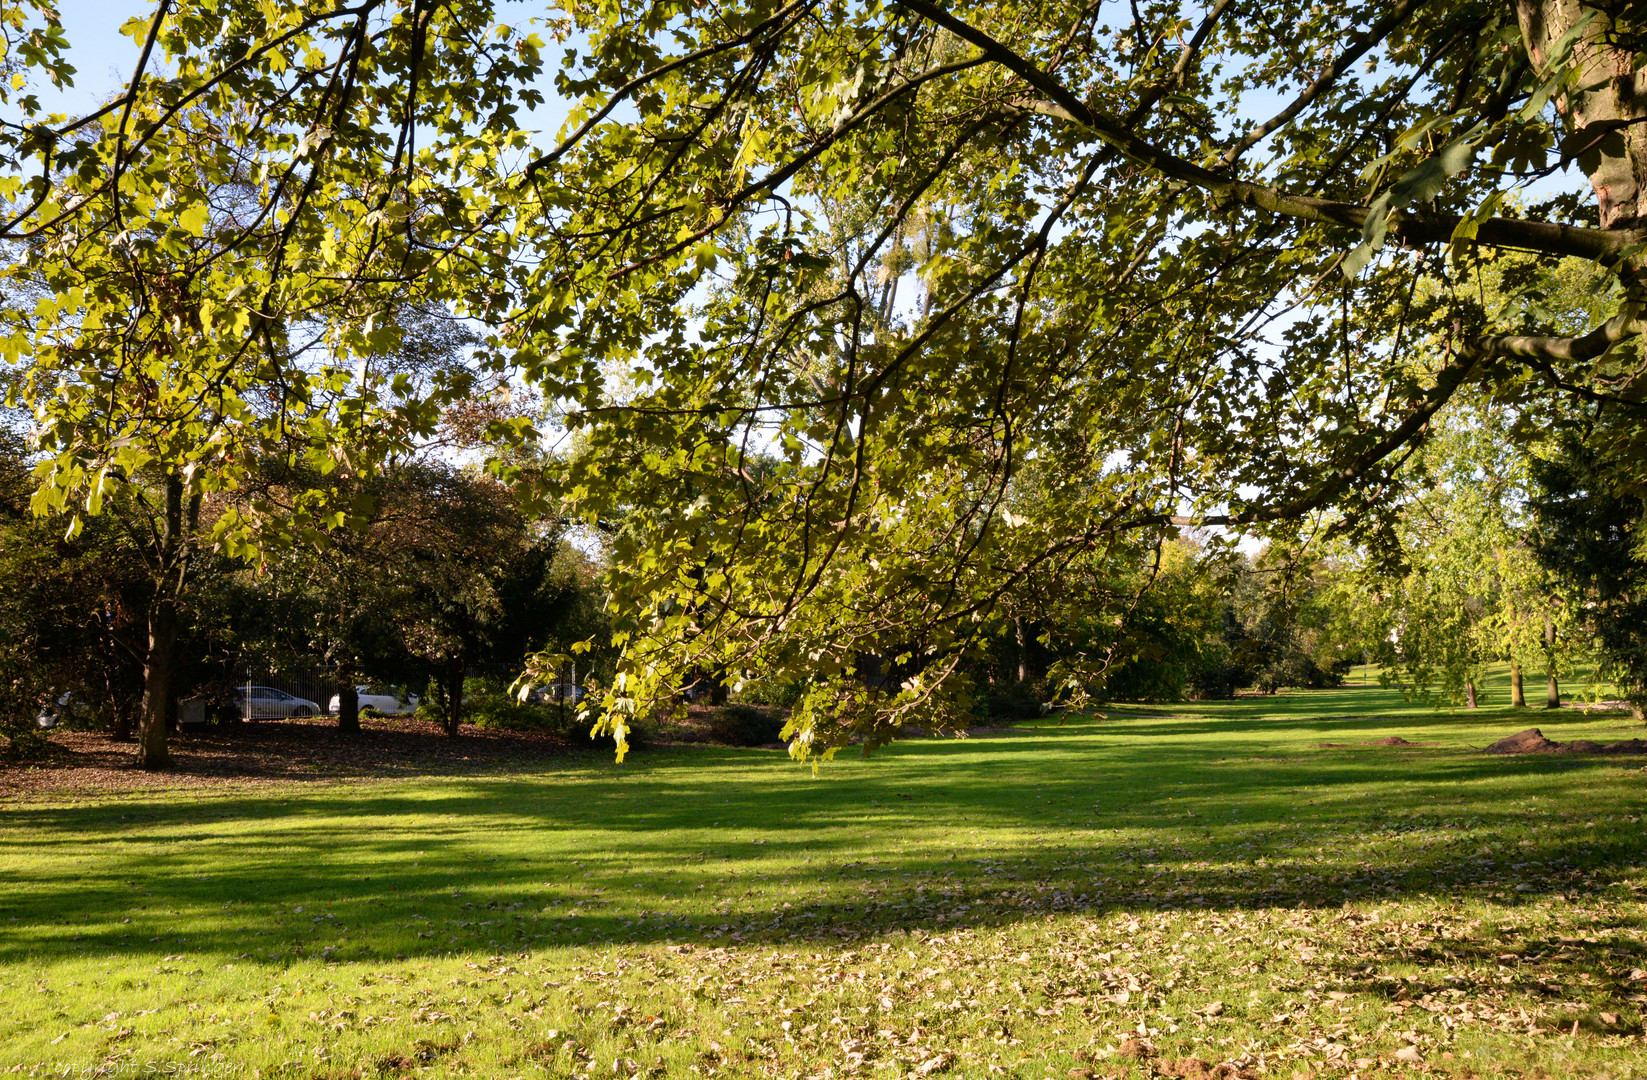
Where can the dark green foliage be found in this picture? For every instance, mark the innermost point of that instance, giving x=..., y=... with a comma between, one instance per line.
x=1209, y=627
x=71, y=612
x=781, y=692
x=1007, y=708
x=1590, y=532
x=745, y=725
x=487, y=703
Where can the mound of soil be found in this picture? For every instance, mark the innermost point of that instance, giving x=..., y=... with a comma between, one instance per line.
x=1388, y=740
x=1532, y=741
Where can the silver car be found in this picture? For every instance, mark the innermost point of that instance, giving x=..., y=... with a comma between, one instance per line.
x=384, y=700
x=265, y=702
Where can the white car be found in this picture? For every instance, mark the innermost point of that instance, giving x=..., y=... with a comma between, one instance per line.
x=67, y=706
x=264, y=702
x=553, y=693
x=383, y=700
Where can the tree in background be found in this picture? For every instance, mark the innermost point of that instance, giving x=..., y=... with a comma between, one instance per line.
x=1460, y=580
x=214, y=258
x=1170, y=637
x=1194, y=617
x=1589, y=534
x=1291, y=620
x=74, y=606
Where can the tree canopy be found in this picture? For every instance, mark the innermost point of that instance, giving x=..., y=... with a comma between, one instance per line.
x=1162, y=263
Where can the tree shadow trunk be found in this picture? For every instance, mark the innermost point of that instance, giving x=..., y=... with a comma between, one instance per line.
x=454, y=696
x=348, y=707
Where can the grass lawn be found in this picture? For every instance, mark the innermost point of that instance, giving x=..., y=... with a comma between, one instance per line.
x=1155, y=893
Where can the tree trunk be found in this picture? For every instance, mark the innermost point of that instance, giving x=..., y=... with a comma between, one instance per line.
x=160, y=661
x=454, y=695
x=1552, y=696
x=122, y=723
x=348, y=707
x=1023, y=654
x=1518, y=697
x=1469, y=694
x=1609, y=99
x=158, y=666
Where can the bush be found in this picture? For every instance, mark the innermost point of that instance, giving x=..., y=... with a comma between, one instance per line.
x=746, y=725
x=515, y=716
x=782, y=693
x=1004, y=708
x=1217, y=681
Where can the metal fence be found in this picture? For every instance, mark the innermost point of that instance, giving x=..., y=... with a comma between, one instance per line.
x=309, y=685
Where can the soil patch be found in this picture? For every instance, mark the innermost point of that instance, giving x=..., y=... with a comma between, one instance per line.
x=284, y=751
x=1532, y=741
x=1388, y=740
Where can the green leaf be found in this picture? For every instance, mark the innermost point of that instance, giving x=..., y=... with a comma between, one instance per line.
x=1418, y=185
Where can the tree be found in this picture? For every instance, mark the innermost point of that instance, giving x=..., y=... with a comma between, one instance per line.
x=909, y=247
x=464, y=577
x=73, y=608
x=1460, y=578
x=1202, y=315
x=1588, y=533
x=219, y=254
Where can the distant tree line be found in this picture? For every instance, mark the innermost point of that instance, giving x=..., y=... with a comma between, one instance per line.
x=440, y=579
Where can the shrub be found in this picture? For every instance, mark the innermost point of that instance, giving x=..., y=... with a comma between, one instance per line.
x=745, y=725
x=782, y=693
x=488, y=704
x=508, y=714
x=1006, y=708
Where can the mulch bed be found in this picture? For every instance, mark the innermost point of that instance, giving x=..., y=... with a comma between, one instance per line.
x=1532, y=741
x=283, y=752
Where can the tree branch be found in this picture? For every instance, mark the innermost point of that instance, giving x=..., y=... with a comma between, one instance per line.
x=1375, y=34
x=1604, y=245
x=1447, y=381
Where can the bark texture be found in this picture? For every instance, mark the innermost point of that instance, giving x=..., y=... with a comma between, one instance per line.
x=1606, y=111
x=158, y=666
x=1518, y=696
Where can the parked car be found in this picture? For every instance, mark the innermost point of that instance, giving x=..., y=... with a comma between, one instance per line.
x=383, y=700
x=552, y=693
x=71, y=707
x=51, y=713
x=264, y=702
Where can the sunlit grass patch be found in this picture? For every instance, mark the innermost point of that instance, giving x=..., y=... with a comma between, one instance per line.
x=1256, y=887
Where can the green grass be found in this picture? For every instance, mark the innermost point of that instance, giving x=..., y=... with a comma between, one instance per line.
x=1024, y=905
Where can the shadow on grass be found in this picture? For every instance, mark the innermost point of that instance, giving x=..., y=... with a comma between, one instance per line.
x=1074, y=824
